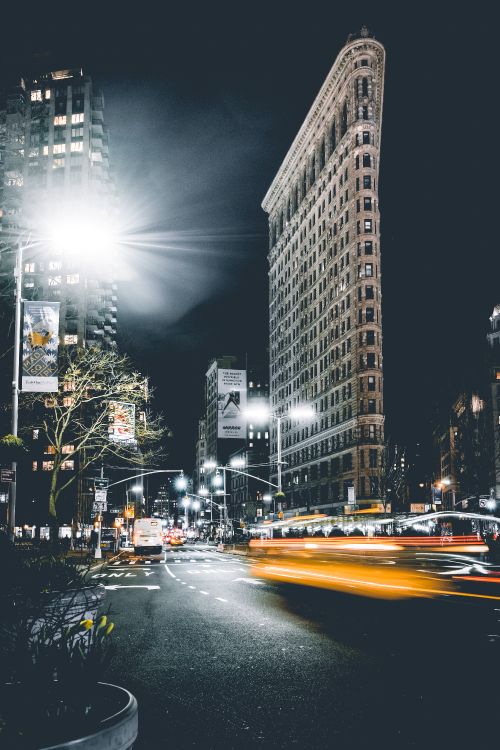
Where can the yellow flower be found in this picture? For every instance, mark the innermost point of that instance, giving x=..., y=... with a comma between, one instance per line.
x=109, y=628
x=87, y=624
x=102, y=622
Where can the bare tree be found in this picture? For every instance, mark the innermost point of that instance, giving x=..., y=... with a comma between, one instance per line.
x=75, y=421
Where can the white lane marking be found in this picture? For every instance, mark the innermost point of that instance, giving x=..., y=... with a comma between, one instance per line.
x=133, y=562
x=183, y=583
x=168, y=570
x=119, y=586
x=220, y=599
x=148, y=562
x=253, y=581
x=204, y=592
x=192, y=587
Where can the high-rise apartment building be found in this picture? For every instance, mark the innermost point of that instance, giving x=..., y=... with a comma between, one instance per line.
x=55, y=171
x=325, y=288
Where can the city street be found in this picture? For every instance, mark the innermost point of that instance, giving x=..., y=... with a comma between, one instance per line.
x=219, y=659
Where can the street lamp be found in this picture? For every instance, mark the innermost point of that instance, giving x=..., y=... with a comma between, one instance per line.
x=260, y=413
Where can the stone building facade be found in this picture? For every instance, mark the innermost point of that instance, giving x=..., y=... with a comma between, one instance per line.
x=325, y=288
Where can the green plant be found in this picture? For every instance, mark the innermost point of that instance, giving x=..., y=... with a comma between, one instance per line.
x=11, y=448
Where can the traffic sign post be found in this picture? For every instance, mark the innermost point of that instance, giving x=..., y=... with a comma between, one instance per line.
x=7, y=475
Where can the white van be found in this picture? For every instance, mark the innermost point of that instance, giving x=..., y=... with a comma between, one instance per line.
x=147, y=538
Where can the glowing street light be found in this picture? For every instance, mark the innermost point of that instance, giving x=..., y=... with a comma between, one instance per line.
x=238, y=463
x=181, y=483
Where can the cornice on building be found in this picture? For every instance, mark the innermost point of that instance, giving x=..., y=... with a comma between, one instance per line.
x=318, y=108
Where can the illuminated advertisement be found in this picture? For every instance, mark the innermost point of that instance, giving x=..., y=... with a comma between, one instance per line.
x=121, y=427
x=231, y=404
x=40, y=346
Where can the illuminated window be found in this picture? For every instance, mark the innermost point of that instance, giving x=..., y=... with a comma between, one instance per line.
x=50, y=450
x=34, y=151
x=55, y=265
x=77, y=132
x=70, y=338
x=250, y=435
x=60, y=120
x=68, y=449
x=58, y=163
x=29, y=268
x=368, y=225
x=29, y=284
x=68, y=465
x=77, y=146
x=73, y=278
x=497, y=374
x=59, y=148
x=34, y=466
x=69, y=385
x=368, y=269
x=36, y=96
x=266, y=436
x=50, y=402
x=45, y=150
x=47, y=465
x=76, y=118
x=47, y=93
x=54, y=280
x=68, y=401
x=35, y=434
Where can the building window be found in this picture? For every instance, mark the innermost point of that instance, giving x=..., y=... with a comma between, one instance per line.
x=368, y=269
x=369, y=292
x=370, y=338
x=71, y=338
x=73, y=278
x=368, y=247
x=60, y=120
x=367, y=182
x=54, y=280
x=35, y=434
x=34, y=466
x=29, y=268
x=370, y=360
x=68, y=401
x=367, y=203
x=58, y=163
x=371, y=383
x=47, y=93
x=76, y=146
x=373, y=458
x=368, y=225
x=77, y=132
x=45, y=150
x=76, y=118
x=367, y=160
x=372, y=405
x=47, y=465
x=29, y=284
x=68, y=465
x=59, y=148
x=36, y=96
x=370, y=315
x=366, y=137
x=69, y=384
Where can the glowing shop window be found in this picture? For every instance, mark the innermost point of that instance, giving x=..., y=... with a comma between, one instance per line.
x=36, y=96
x=78, y=117
x=73, y=278
x=59, y=148
x=70, y=338
x=60, y=120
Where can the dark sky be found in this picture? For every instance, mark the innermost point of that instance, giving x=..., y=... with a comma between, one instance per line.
x=203, y=103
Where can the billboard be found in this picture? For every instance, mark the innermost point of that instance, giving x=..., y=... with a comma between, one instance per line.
x=40, y=346
x=121, y=428
x=231, y=404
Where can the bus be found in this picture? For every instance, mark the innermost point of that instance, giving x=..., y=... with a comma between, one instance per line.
x=147, y=538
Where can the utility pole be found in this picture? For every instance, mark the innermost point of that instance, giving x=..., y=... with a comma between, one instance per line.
x=18, y=275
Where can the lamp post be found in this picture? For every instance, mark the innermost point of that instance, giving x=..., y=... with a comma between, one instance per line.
x=18, y=276
x=261, y=413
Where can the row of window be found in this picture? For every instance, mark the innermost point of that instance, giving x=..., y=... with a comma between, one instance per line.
x=76, y=118
x=68, y=465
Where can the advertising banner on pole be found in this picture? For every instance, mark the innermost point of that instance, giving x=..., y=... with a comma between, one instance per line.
x=231, y=404
x=121, y=428
x=40, y=346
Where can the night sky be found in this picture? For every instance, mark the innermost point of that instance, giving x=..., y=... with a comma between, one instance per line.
x=203, y=103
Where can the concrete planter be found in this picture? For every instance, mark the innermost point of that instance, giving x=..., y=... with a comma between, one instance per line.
x=116, y=732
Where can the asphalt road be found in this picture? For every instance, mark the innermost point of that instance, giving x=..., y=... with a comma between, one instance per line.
x=218, y=659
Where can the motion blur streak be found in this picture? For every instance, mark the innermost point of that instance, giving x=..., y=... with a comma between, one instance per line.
x=389, y=568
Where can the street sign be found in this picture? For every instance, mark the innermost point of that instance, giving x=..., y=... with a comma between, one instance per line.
x=100, y=506
x=7, y=475
x=100, y=496
x=119, y=520
x=101, y=483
